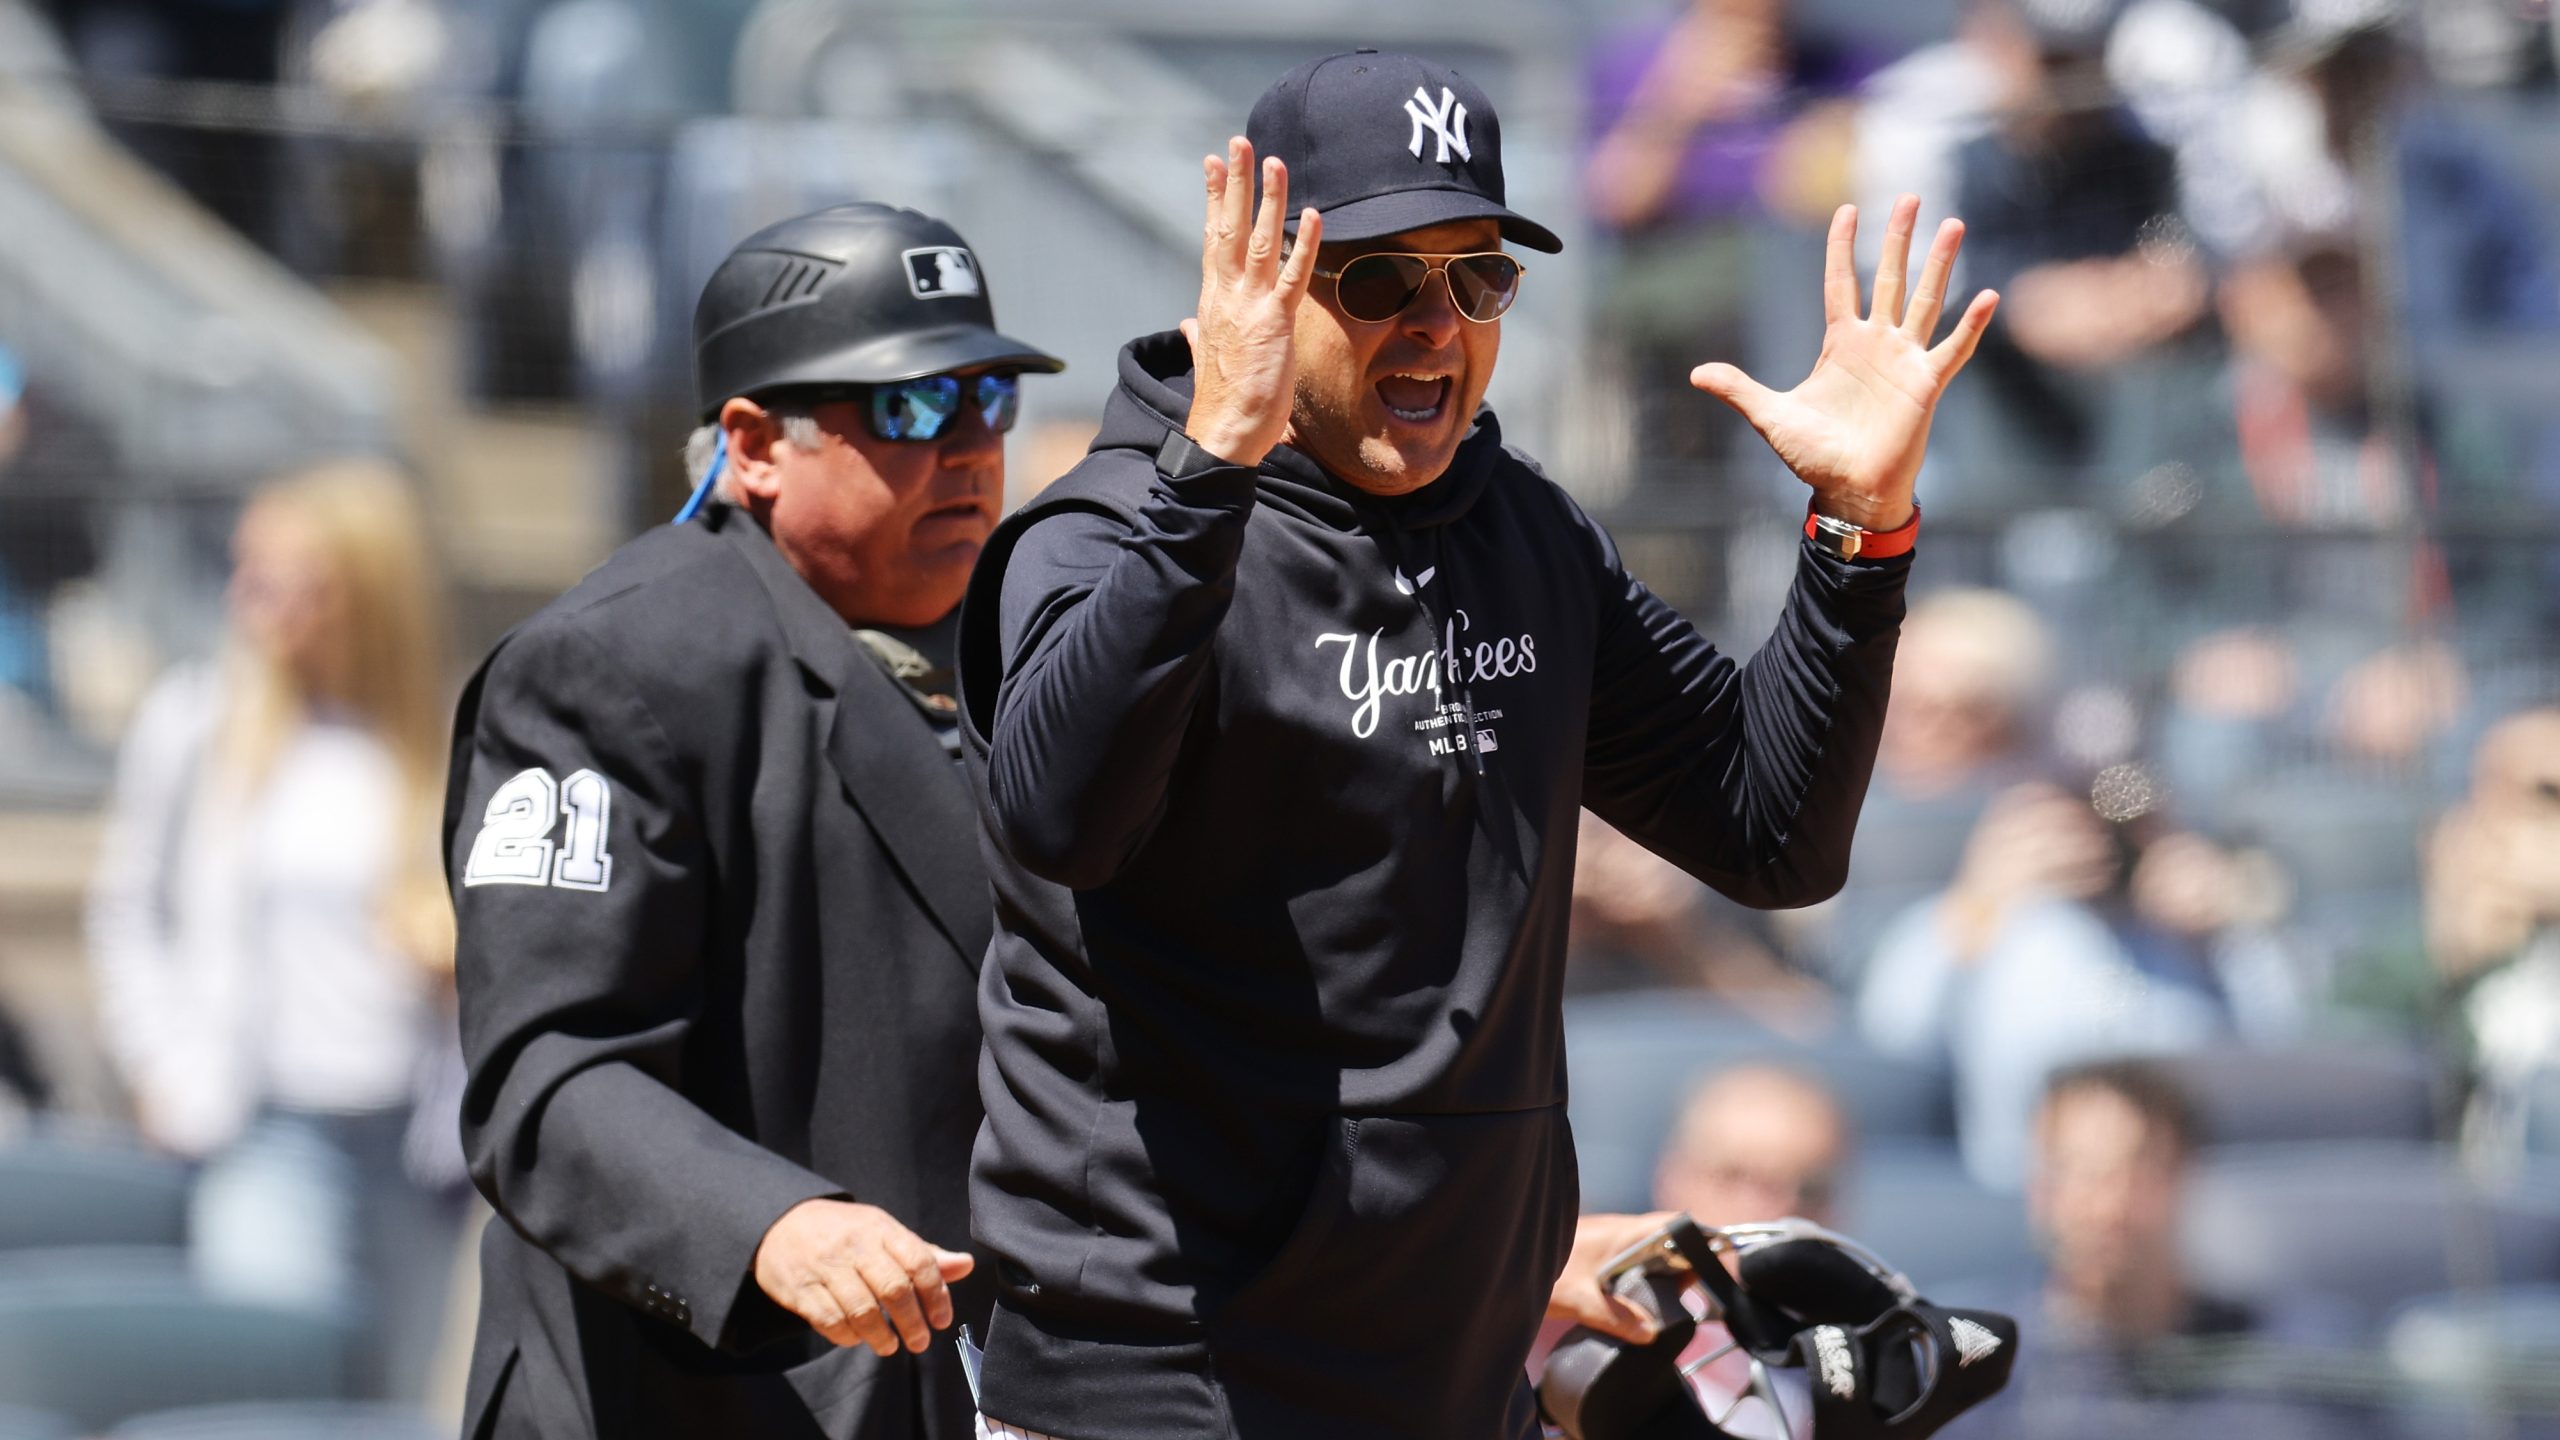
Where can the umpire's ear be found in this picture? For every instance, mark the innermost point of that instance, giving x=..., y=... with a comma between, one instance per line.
x=753, y=478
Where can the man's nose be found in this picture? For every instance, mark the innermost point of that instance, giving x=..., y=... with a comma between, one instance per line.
x=1433, y=316
x=971, y=441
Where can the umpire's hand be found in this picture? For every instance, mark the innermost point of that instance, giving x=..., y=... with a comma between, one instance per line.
x=858, y=1276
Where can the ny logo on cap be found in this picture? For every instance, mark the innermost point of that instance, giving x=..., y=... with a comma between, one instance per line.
x=1447, y=120
x=941, y=271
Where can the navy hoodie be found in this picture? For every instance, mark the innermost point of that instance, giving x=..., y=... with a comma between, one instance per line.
x=1279, y=784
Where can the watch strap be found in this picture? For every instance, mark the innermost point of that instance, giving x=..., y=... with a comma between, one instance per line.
x=1179, y=457
x=1856, y=542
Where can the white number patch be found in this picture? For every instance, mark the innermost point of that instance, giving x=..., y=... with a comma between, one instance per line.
x=514, y=846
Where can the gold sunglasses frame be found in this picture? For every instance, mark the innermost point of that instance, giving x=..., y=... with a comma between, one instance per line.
x=1438, y=264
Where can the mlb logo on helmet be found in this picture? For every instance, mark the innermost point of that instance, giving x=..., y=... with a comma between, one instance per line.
x=940, y=271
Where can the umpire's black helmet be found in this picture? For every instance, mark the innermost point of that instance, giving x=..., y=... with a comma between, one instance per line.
x=853, y=294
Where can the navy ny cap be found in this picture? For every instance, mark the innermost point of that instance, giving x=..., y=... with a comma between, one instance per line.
x=1383, y=143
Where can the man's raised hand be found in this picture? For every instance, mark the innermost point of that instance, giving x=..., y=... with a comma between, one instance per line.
x=1856, y=427
x=1243, y=340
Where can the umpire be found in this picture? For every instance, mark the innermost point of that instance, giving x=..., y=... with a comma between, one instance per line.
x=721, y=907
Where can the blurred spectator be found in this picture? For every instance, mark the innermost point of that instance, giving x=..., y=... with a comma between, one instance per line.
x=23, y=1088
x=269, y=926
x=1754, y=1143
x=2493, y=920
x=2121, y=1329
x=1640, y=922
x=2078, y=925
x=2229, y=691
x=49, y=462
x=2175, y=62
x=1970, y=678
x=1727, y=109
x=2113, y=1139
x=2072, y=211
x=1716, y=116
x=229, y=171
x=2383, y=230
x=2341, y=108
x=21, y=657
x=1970, y=670
x=2313, y=696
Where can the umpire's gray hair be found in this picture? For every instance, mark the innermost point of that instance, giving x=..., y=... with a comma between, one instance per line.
x=799, y=428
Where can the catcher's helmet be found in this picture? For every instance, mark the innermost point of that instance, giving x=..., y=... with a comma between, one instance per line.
x=853, y=294
x=1883, y=1363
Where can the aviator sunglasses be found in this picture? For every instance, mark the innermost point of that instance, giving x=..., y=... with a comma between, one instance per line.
x=1379, y=286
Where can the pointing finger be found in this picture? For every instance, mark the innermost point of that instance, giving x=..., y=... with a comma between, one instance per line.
x=1893, y=267
x=1927, y=301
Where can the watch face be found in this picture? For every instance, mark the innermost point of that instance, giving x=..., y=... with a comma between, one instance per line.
x=1840, y=537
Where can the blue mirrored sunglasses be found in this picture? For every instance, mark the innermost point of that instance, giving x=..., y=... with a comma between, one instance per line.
x=923, y=408
x=920, y=410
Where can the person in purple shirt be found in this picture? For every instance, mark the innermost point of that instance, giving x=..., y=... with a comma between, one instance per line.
x=1705, y=121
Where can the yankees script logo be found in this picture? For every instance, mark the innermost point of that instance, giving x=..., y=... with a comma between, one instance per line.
x=1367, y=681
x=1447, y=119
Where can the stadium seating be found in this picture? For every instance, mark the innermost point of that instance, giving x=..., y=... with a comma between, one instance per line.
x=1920, y=1209
x=59, y=1191
x=2255, y=1096
x=1633, y=1058
x=307, y=1420
x=2478, y=1362
x=2371, y=1224
x=98, y=1334
x=19, y=1423
x=2542, y=1116
x=2472, y=1338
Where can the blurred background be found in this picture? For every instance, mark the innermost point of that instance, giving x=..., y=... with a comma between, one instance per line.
x=2197, y=991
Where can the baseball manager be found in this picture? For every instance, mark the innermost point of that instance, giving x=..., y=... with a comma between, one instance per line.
x=721, y=906
x=1283, y=704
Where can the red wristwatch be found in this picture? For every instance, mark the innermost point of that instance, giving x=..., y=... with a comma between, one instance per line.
x=1856, y=542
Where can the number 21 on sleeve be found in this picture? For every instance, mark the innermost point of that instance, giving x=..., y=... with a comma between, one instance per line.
x=515, y=847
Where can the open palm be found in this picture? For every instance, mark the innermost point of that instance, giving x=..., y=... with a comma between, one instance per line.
x=1855, y=428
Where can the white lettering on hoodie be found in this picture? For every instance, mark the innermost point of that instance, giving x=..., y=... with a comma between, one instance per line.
x=1366, y=681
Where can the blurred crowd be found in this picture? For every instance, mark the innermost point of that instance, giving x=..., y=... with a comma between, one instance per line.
x=2213, y=850
x=2211, y=864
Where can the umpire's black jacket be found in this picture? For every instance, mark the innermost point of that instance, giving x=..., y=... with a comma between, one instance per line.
x=721, y=914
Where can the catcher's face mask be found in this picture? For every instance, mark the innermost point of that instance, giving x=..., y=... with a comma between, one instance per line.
x=1881, y=1363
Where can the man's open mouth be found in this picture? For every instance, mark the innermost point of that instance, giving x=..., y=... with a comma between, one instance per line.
x=1415, y=396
